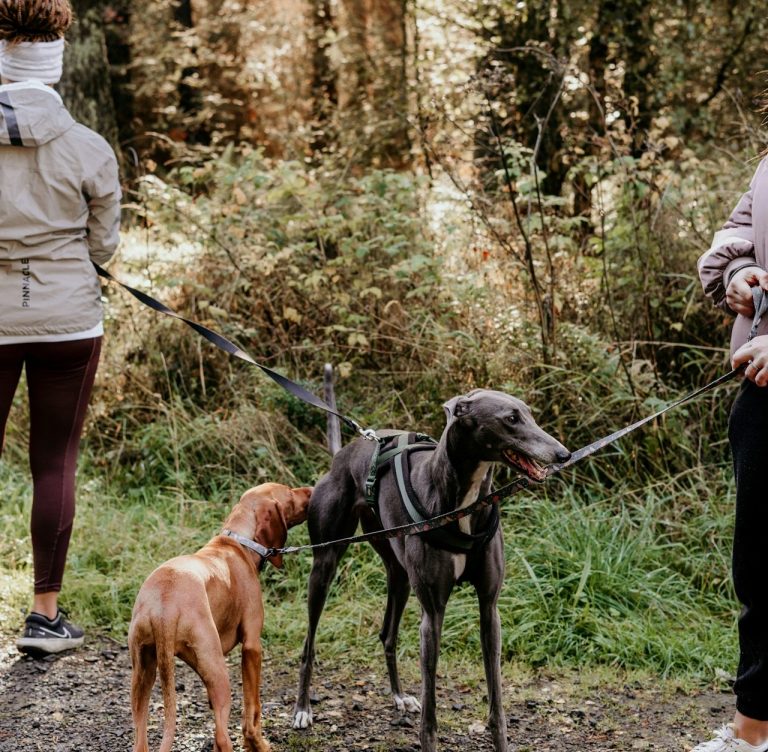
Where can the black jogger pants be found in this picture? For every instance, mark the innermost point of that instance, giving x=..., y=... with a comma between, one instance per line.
x=748, y=434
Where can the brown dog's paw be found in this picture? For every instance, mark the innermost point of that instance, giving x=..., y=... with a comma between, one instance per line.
x=258, y=744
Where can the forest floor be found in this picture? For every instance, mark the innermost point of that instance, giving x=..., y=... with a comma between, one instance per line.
x=79, y=702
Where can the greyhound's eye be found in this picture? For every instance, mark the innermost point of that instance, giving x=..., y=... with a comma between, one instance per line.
x=512, y=418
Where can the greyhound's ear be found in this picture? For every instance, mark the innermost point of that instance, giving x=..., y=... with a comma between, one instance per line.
x=455, y=407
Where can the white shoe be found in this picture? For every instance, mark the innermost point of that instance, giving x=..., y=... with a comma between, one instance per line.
x=725, y=741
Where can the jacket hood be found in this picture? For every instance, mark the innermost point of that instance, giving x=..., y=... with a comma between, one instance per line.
x=31, y=114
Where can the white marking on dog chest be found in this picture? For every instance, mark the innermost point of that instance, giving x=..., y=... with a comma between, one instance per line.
x=460, y=560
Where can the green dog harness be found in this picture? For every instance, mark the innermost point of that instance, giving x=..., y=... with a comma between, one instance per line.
x=393, y=452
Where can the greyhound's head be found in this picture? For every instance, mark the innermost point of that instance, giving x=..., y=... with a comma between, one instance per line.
x=266, y=512
x=495, y=427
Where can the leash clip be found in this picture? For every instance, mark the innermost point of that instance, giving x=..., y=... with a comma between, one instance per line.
x=368, y=434
x=760, y=300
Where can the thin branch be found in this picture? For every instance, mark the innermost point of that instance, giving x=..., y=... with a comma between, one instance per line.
x=526, y=239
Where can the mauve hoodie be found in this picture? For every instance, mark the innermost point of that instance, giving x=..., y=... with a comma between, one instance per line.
x=59, y=211
x=743, y=241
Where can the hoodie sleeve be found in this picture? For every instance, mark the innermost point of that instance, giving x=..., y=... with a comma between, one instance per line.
x=102, y=193
x=732, y=249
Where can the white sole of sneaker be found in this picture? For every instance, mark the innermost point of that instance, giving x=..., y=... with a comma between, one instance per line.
x=48, y=646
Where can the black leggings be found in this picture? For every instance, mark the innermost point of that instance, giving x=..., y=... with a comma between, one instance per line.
x=59, y=380
x=748, y=433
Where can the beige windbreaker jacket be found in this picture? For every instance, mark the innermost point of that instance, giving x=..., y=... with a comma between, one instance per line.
x=743, y=241
x=59, y=210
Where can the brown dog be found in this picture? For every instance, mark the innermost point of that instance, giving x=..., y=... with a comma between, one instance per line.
x=199, y=607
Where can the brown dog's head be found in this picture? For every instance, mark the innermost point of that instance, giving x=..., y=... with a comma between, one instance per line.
x=265, y=513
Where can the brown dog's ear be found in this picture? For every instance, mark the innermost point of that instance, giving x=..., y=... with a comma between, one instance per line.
x=295, y=508
x=292, y=509
x=276, y=561
x=270, y=528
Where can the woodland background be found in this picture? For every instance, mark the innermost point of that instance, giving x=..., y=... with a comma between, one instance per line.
x=432, y=196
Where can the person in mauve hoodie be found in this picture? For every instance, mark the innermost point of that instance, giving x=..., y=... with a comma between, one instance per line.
x=736, y=263
x=59, y=212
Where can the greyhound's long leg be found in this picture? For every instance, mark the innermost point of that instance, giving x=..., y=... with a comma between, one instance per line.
x=398, y=590
x=490, y=638
x=324, y=565
x=488, y=586
x=432, y=583
x=431, y=629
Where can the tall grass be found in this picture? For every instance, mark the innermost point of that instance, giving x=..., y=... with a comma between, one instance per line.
x=635, y=577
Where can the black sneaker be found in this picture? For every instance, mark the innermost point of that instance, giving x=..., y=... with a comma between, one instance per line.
x=43, y=635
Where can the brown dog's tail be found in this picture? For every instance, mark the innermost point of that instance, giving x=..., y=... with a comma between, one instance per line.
x=166, y=668
x=333, y=432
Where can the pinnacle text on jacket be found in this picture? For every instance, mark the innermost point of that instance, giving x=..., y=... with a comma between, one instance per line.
x=25, y=283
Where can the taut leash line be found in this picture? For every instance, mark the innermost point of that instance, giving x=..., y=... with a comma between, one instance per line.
x=580, y=454
x=232, y=349
x=418, y=527
x=761, y=307
x=511, y=488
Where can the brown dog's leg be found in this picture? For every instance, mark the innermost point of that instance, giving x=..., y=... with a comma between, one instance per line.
x=144, y=662
x=210, y=665
x=252, y=731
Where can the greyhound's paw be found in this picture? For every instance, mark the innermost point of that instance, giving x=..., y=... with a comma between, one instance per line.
x=302, y=719
x=407, y=704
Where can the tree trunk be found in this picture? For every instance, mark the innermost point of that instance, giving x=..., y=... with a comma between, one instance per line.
x=597, y=60
x=323, y=84
x=641, y=66
x=354, y=102
x=524, y=84
x=392, y=141
x=190, y=97
x=86, y=85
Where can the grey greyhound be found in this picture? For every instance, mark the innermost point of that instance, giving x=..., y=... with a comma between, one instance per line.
x=483, y=427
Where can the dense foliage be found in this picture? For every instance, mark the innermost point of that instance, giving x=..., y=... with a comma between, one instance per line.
x=431, y=196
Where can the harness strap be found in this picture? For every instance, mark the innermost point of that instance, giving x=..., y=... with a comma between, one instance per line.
x=380, y=458
x=405, y=497
x=373, y=473
x=449, y=538
x=420, y=441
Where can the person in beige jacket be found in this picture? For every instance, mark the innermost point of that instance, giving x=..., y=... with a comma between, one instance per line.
x=59, y=212
x=737, y=262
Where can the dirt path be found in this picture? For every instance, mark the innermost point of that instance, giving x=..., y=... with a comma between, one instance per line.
x=78, y=702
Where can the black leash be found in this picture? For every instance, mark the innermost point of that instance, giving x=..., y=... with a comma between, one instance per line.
x=511, y=488
x=229, y=347
x=761, y=307
x=595, y=446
